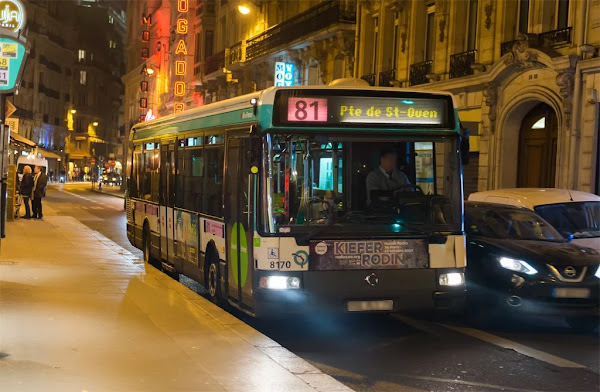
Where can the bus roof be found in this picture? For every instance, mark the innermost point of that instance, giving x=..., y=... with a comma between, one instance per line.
x=240, y=110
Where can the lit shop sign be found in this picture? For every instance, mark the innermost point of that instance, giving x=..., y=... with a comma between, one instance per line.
x=12, y=15
x=340, y=110
x=181, y=52
x=284, y=74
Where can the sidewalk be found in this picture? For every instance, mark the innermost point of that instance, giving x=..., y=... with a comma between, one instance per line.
x=80, y=313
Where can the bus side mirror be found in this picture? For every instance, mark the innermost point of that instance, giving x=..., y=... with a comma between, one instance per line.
x=464, y=145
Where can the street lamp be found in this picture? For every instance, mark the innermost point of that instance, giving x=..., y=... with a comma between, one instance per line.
x=243, y=9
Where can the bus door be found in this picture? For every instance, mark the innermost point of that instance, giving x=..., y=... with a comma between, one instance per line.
x=167, y=200
x=238, y=220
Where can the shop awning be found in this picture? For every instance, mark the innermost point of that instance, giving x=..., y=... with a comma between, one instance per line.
x=48, y=154
x=21, y=139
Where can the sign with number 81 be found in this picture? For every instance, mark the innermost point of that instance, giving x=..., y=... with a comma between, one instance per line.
x=307, y=109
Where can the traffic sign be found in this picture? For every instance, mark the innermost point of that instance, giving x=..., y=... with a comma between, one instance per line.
x=10, y=109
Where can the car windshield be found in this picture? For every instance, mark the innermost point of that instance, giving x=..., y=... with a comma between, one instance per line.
x=361, y=185
x=509, y=224
x=582, y=219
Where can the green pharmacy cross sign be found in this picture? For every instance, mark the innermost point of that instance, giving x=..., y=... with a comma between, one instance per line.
x=12, y=59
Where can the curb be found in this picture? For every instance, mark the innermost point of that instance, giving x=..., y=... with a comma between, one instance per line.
x=109, y=194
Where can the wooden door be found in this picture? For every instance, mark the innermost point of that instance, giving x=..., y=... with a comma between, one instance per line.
x=537, y=149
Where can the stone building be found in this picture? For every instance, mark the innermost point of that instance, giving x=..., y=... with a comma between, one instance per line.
x=94, y=118
x=525, y=74
x=44, y=97
x=232, y=48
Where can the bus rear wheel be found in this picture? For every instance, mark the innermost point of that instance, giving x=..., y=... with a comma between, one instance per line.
x=212, y=283
x=146, y=247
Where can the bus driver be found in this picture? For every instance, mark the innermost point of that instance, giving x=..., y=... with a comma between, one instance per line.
x=386, y=177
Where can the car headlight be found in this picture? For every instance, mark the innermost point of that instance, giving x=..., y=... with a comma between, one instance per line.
x=278, y=282
x=452, y=279
x=517, y=265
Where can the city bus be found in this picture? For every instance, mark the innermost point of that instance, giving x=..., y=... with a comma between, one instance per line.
x=263, y=199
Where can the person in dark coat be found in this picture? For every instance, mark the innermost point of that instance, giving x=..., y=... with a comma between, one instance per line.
x=40, y=180
x=26, y=189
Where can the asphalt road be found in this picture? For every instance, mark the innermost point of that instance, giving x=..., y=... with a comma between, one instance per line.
x=399, y=353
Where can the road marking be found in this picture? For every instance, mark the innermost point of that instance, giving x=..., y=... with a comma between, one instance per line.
x=520, y=348
x=470, y=383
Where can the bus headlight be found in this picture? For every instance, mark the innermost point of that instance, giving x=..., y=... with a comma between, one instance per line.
x=452, y=279
x=279, y=282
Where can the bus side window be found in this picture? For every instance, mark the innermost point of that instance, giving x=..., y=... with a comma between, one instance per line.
x=155, y=158
x=179, y=178
x=213, y=180
x=133, y=189
x=193, y=178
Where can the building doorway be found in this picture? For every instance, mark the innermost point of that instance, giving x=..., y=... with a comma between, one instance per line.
x=537, y=148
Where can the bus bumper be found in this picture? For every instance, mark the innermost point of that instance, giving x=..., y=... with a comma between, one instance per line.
x=332, y=291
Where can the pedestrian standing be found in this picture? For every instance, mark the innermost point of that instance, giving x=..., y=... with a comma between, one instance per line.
x=40, y=180
x=26, y=189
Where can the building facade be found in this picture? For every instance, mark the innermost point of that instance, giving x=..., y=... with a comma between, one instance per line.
x=94, y=118
x=204, y=51
x=95, y=115
x=43, y=97
x=525, y=74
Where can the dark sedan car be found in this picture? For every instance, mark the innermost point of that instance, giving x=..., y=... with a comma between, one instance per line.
x=516, y=261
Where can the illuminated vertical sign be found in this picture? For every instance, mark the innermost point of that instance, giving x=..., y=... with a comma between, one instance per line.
x=284, y=74
x=145, y=54
x=180, y=64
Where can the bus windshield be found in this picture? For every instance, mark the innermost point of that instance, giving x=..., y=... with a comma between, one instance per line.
x=361, y=185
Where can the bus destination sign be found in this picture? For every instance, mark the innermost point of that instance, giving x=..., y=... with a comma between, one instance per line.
x=367, y=110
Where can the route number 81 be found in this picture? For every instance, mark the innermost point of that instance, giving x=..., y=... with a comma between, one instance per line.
x=307, y=109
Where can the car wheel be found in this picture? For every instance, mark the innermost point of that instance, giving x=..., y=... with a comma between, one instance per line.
x=583, y=324
x=212, y=283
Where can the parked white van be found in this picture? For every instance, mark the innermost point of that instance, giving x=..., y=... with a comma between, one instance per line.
x=570, y=212
x=30, y=160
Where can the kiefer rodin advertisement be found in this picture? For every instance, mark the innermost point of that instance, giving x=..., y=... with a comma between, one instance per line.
x=371, y=254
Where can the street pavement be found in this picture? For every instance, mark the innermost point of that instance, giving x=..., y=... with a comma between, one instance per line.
x=78, y=312
x=399, y=352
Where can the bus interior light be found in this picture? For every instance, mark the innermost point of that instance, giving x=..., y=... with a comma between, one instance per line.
x=452, y=279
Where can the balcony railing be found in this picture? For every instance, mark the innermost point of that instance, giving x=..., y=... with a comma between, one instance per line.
x=214, y=63
x=316, y=18
x=386, y=77
x=460, y=64
x=235, y=54
x=419, y=72
x=370, y=78
x=555, y=37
